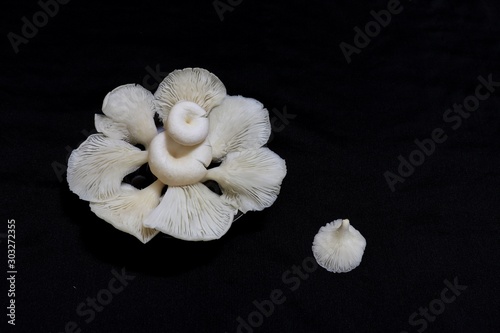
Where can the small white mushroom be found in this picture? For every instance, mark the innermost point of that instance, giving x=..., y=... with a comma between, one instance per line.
x=135, y=107
x=127, y=211
x=338, y=247
x=192, y=213
x=237, y=124
x=96, y=169
x=175, y=164
x=187, y=123
x=250, y=179
x=195, y=85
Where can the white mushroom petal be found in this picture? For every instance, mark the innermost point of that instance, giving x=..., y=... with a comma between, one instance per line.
x=338, y=247
x=127, y=211
x=96, y=169
x=187, y=124
x=195, y=85
x=133, y=106
x=175, y=164
x=192, y=213
x=111, y=128
x=250, y=179
x=238, y=123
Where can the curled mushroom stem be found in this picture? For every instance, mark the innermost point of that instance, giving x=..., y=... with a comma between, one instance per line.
x=187, y=123
x=175, y=164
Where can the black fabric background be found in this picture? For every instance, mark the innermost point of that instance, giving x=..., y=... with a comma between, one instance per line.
x=351, y=123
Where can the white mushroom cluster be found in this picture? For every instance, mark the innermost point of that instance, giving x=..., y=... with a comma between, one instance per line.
x=202, y=126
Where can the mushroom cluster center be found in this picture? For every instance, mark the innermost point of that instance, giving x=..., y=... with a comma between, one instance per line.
x=181, y=154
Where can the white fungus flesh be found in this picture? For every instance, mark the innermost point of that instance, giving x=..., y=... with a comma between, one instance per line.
x=195, y=85
x=237, y=124
x=127, y=211
x=187, y=124
x=175, y=164
x=338, y=247
x=133, y=106
x=250, y=179
x=96, y=169
x=111, y=128
x=192, y=213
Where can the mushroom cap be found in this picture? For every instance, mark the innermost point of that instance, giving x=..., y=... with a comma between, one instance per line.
x=111, y=128
x=192, y=213
x=250, y=179
x=338, y=247
x=189, y=84
x=96, y=169
x=237, y=124
x=133, y=106
x=127, y=211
